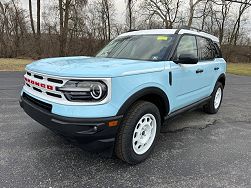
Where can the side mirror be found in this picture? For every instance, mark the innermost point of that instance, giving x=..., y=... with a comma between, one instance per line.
x=187, y=59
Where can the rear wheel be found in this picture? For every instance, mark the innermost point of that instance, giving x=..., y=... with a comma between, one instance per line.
x=213, y=106
x=137, y=134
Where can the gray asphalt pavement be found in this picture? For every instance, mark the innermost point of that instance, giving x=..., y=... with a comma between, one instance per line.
x=194, y=150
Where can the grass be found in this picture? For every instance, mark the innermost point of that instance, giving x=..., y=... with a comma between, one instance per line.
x=243, y=69
x=9, y=64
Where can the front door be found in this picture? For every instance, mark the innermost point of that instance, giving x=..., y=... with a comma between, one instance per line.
x=187, y=83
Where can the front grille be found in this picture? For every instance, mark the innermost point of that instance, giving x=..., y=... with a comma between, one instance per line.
x=55, y=80
x=38, y=83
x=38, y=77
x=39, y=103
x=36, y=89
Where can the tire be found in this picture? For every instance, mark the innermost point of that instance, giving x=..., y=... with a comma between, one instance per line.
x=213, y=106
x=140, y=126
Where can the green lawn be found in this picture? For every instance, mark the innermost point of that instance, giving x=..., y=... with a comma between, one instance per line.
x=243, y=69
x=9, y=64
x=19, y=65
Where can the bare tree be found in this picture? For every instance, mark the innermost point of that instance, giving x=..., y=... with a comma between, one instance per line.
x=70, y=27
x=104, y=10
x=13, y=30
x=31, y=18
x=38, y=28
x=236, y=29
x=221, y=18
x=106, y=6
x=166, y=10
x=192, y=5
x=205, y=14
x=129, y=9
x=64, y=12
x=38, y=18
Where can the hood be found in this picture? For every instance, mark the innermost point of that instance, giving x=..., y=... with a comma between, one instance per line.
x=93, y=67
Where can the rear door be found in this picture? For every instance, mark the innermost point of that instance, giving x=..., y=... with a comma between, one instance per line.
x=207, y=63
x=187, y=83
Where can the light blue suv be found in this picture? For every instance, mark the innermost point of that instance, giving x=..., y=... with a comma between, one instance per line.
x=120, y=98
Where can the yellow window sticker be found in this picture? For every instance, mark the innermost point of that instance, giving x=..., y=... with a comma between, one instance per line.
x=162, y=38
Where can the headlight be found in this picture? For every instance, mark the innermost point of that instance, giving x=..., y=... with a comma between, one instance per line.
x=84, y=90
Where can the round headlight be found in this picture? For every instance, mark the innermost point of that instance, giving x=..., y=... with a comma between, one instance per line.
x=96, y=91
x=84, y=90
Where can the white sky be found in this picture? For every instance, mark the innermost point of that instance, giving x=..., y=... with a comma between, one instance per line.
x=119, y=4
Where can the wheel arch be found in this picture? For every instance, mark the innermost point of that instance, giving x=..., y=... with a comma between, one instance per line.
x=151, y=94
x=222, y=79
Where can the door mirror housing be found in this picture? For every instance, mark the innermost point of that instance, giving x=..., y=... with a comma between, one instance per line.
x=187, y=59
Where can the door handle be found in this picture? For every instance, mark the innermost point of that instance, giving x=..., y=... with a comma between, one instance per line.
x=199, y=71
x=216, y=68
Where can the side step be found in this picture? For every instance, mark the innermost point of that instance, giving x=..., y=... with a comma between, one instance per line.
x=187, y=108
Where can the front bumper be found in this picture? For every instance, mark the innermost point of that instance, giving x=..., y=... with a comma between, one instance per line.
x=93, y=134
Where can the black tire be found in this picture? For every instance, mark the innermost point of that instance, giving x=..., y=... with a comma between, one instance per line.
x=123, y=146
x=210, y=107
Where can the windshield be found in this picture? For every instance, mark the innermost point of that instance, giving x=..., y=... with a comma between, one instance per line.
x=139, y=47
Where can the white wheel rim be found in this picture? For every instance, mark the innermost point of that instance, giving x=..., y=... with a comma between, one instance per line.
x=144, y=134
x=217, y=99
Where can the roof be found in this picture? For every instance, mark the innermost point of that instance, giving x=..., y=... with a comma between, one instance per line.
x=170, y=31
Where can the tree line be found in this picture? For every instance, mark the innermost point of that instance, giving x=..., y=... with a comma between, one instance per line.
x=83, y=27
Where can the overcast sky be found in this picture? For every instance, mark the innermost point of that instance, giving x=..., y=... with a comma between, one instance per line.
x=120, y=7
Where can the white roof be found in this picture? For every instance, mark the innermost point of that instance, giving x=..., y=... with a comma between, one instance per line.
x=200, y=33
x=169, y=31
x=151, y=32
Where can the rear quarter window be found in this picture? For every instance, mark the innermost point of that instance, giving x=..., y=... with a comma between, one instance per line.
x=206, y=49
x=218, y=53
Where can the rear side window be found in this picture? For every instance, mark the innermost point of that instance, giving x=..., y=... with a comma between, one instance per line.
x=187, y=45
x=218, y=53
x=206, y=49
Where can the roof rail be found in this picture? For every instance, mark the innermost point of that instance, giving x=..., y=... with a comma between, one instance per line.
x=188, y=28
x=132, y=30
x=203, y=33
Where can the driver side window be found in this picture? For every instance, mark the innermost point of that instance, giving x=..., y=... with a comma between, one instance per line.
x=187, y=45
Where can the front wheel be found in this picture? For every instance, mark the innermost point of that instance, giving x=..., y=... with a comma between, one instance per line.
x=214, y=104
x=138, y=132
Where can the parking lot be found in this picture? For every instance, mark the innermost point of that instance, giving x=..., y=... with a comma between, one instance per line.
x=194, y=150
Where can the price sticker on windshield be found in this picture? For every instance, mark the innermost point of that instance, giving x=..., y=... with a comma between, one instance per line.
x=162, y=38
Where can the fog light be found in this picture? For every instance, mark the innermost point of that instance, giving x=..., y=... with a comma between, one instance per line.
x=95, y=128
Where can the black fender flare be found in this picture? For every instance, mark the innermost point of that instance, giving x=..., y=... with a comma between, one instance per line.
x=222, y=79
x=141, y=94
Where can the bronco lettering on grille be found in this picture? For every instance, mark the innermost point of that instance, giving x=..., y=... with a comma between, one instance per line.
x=45, y=86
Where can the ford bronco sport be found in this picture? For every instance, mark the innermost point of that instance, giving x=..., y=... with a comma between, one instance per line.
x=120, y=98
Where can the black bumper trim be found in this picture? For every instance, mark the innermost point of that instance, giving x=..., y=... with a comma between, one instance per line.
x=89, y=131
